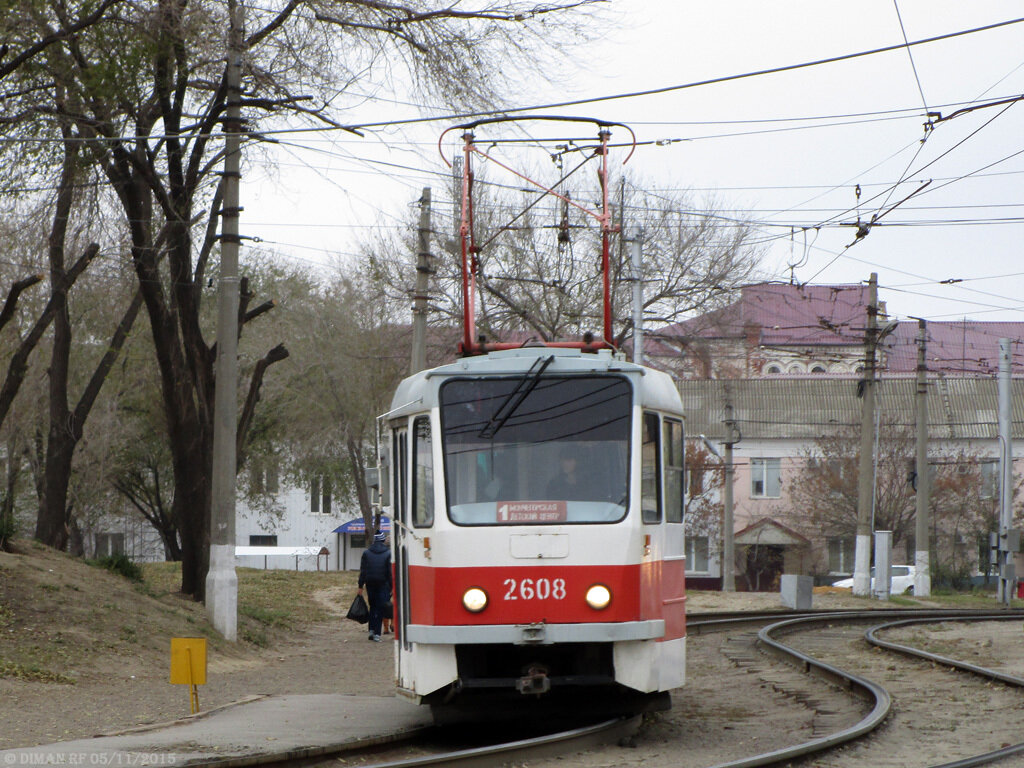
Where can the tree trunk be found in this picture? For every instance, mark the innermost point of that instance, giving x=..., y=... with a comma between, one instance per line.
x=51, y=521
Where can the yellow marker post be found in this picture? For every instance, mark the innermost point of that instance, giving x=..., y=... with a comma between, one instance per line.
x=188, y=666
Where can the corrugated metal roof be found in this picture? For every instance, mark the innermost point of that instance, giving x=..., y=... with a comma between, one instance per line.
x=774, y=408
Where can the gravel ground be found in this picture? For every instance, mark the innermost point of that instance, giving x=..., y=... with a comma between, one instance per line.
x=335, y=657
x=330, y=657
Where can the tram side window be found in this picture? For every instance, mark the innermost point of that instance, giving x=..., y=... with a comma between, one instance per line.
x=650, y=478
x=398, y=470
x=423, y=475
x=672, y=453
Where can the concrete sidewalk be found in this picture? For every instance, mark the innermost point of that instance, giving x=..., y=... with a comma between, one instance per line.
x=240, y=734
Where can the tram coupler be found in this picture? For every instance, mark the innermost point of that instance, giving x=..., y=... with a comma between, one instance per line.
x=535, y=681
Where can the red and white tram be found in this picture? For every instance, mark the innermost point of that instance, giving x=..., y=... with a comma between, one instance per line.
x=537, y=502
x=538, y=538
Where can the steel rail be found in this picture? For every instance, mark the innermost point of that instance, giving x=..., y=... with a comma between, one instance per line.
x=699, y=623
x=540, y=746
x=875, y=694
x=992, y=674
x=602, y=733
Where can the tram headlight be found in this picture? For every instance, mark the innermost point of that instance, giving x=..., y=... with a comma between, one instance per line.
x=598, y=597
x=474, y=599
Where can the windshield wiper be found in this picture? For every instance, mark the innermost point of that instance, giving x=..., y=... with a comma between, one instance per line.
x=515, y=397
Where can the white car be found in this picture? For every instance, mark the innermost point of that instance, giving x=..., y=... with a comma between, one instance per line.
x=902, y=580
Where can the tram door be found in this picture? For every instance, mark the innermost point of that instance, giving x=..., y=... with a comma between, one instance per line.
x=414, y=510
x=400, y=518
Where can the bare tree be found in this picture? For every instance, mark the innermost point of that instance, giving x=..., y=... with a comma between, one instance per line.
x=962, y=501
x=964, y=510
x=539, y=270
x=55, y=522
x=148, y=83
x=824, y=493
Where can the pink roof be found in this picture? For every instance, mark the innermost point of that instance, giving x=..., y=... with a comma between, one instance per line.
x=960, y=347
x=784, y=314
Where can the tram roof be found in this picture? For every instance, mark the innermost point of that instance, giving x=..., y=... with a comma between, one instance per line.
x=417, y=393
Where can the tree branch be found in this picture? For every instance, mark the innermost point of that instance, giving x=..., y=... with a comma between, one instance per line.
x=18, y=365
x=275, y=355
x=12, y=297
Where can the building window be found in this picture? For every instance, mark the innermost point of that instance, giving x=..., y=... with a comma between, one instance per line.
x=696, y=480
x=697, y=554
x=765, y=478
x=320, y=495
x=357, y=540
x=264, y=476
x=989, y=479
x=840, y=554
x=263, y=540
x=818, y=369
x=325, y=496
x=109, y=544
x=774, y=368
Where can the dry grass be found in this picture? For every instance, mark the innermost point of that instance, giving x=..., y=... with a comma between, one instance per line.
x=62, y=619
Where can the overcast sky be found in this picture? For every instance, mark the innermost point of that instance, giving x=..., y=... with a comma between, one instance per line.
x=784, y=150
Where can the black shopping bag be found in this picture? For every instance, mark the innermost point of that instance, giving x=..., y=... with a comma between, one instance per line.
x=358, y=611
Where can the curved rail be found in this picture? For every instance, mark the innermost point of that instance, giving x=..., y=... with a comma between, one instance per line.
x=532, y=748
x=874, y=693
x=877, y=697
x=917, y=653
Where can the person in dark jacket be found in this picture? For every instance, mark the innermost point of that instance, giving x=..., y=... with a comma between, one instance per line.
x=375, y=575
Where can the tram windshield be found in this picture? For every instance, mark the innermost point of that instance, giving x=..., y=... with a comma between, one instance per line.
x=529, y=451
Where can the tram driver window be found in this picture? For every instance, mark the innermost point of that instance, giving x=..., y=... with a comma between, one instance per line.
x=650, y=477
x=503, y=449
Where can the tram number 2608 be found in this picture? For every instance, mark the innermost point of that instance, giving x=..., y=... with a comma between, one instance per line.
x=535, y=589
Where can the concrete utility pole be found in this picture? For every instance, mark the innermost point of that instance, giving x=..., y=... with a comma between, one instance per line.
x=1009, y=539
x=221, y=579
x=635, y=238
x=728, y=535
x=422, y=295
x=922, y=567
x=865, y=476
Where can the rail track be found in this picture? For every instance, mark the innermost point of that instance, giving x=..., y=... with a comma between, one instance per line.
x=861, y=699
x=430, y=750
x=879, y=699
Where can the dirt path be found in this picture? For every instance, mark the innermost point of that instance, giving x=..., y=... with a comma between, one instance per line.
x=124, y=692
